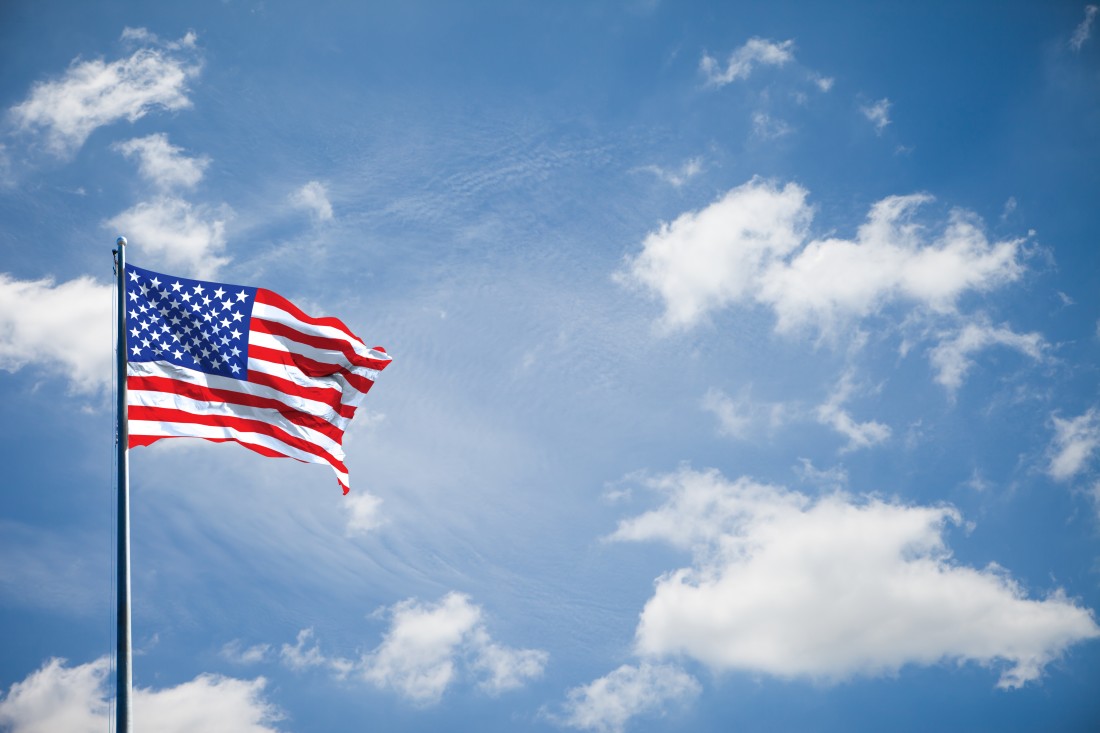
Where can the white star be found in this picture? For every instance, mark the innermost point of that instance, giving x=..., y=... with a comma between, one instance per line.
x=242, y=296
x=178, y=354
x=235, y=351
x=176, y=286
x=207, y=317
x=186, y=296
x=133, y=295
x=134, y=314
x=136, y=350
x=145, y=343
x=235, y=368
x=237, y=316
x=235, y=333
x=225, y=323
x=227, y=304
x=144, y=325
x=156, y=283
x=133, y=276
x=224, y=340
x=196, y=307
x=143, y=308
x=134, y=332
x=219, y=293
x=198, y=289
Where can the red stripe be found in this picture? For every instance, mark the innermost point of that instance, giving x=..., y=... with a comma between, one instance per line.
x=318, y=342
x=213, y=394
x=167, y=415
x=140, y=440
x=310, y=367
x=327, y=395
x=274, y=299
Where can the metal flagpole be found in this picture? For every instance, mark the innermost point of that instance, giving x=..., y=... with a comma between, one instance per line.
x=123, y=656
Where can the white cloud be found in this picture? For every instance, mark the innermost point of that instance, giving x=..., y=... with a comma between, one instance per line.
x=163, y=163
x=756, y=51
x=859, y=434
x=1082, y=32
x=364, y=513
x=608, y=703
x=235, y=653
x=94, y=93
x=766, y=127
x=62, y=329
x=313, y=197
x=679, y=177
x=419, y=655
x=833, y=587
x=1075, y=442
x=299, y=656
x=878, y=113
x=824, y=83
x=75, y=699
x=170, y=232
x=741, y=417
x=752, y=246
x=952, y=357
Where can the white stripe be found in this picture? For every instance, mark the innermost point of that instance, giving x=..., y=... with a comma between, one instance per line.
x=152, y=428
x=213, y=381
x=278, y=315
x=349, y=395
x=325, y=356
x=148, y=398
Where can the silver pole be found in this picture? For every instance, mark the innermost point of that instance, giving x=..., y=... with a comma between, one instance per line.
x=124, y=655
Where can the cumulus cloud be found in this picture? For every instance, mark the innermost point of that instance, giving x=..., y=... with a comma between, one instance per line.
x=92, y=94
x=1083, y=31
x=752, y=246
x=1075, y=442
x=65, y=330
x=878, y=114
x=313, y=197
x=833, y=414
x=832, y=587
x=235, y=652
x=420, y=654
x=952, y=358
x=162, y=163
x=58, y=697
x=608, y=703
x=755, y=52
x=676, y=177
x=172, y=233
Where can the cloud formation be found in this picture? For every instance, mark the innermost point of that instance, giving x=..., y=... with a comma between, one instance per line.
x=92, y=94
x=752, y=246
x=833, y=414
x=1083, y=32
x=742, y=61
x=608, y=703
x=171, y=233
x=1075, y=441
x=676, y=177
x=833, y=587
x=313, y=197
x=65, y=330
x=878, y=113
x=58, y=697
x=952, y=357
x=164, y=164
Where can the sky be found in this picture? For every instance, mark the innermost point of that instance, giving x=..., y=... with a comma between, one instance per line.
x=745, y=364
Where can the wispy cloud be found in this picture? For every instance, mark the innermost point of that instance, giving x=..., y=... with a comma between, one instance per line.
x=92, y=94
x=833, y=414
x=65, y=330
x=1083, y=31
x=58, y=697
x=878, y=113
x=766, y=127
x=313, y=197
x=833, y=587
x=164, y=164
x=607, y=704
x=1075, y=442
x=742, y=417
x=952, y=358
x=740, y=64
x=679, y=176
x=753, y=246
x=236, y=653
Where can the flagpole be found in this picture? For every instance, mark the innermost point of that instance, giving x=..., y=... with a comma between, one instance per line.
x=123, y=653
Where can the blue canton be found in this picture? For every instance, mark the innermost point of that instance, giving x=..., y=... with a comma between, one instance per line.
x=191, y=323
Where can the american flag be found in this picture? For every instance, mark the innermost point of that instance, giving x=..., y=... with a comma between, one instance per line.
x=236, y=363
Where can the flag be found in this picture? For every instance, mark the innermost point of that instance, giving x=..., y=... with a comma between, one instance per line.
x=236, y=363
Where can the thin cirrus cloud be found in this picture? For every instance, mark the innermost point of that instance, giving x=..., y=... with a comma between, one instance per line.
x=676, y=177
x=607, y=704
x=752, y=246
x=63, y=328
x=162, y=163
x=859, y=434
x=59, y=697
x=833, y=587
x=743, y=60
x=952, y=357
x=1083, y=31
x=313, y=197
x=95, y=93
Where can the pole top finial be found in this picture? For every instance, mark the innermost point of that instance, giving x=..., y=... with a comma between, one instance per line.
x=121, y=241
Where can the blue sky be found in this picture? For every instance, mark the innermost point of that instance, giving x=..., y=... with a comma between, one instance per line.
x=745, y=364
